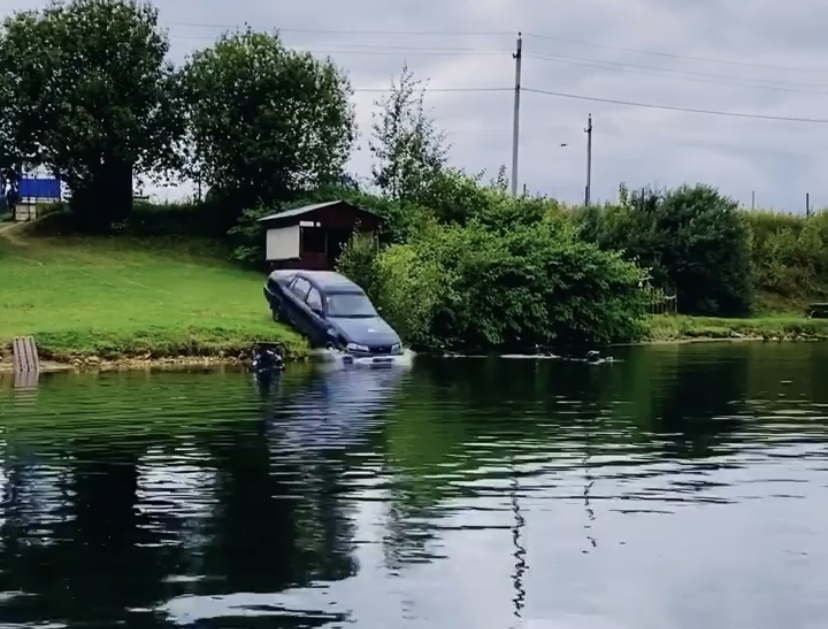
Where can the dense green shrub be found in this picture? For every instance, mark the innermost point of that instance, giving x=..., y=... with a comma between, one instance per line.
x=359, y=261
x=693, y=239
x=790, y=253
x=185, y=218
x=473, y=288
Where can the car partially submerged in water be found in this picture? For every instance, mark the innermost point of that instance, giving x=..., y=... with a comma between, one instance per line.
x=331, y=311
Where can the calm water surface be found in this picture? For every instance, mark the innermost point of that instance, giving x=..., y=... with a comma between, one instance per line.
x=685, y=487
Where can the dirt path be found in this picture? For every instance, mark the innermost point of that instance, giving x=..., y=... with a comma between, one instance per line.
x=10, y=233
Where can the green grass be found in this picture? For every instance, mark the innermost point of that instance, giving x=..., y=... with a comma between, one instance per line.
x=676, y=328
x=121, y=297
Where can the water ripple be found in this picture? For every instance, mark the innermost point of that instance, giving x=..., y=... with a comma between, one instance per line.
x=681, y=487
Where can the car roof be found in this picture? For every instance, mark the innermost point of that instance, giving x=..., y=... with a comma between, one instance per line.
x=330, y=281
x=279, y=274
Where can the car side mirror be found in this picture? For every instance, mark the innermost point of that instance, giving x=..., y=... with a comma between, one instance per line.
x=319, y=312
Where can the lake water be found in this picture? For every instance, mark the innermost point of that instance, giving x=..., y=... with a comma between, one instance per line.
x=682, y=488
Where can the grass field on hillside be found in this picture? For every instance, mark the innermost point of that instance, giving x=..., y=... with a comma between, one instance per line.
x=126, y=298
x=115, y=297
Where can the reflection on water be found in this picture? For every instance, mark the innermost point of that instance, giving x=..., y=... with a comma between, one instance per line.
x=682, y=487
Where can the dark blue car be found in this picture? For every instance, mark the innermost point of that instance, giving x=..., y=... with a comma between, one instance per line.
x=330, y=310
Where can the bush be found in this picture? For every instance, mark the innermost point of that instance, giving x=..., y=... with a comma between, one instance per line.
x=693, y=239
x=790, y=257
x=248, y=237
x=198, y=220
x=358, y=261
x=472, y=288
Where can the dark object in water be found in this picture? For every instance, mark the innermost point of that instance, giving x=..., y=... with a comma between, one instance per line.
x=268, y=357
x=593, y=356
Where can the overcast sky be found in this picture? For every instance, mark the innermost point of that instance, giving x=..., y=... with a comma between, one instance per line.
x=757, y=58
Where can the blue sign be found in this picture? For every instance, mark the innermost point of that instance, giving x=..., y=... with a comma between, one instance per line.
x=40, y=188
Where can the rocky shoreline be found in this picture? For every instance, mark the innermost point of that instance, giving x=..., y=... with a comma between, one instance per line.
x=95, y=363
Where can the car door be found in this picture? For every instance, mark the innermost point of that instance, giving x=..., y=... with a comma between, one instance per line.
x=275, y=294
x=298, y=289
x=317, y=325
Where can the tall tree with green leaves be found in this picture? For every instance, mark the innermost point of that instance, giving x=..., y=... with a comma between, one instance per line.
x=267, y=123
x=86, y=90
x=408, y=150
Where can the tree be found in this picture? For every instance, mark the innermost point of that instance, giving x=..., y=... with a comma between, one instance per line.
x=267, y=123
x=87, y=91
x=409, y=151
x=692, y=238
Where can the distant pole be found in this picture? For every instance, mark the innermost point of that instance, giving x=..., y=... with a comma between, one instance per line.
x=807, y=205
x=588, y=191
x=525, y=191
x=518, y=55
x=753, y=199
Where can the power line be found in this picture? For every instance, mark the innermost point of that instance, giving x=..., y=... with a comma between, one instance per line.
x=671, y=55
x=385, y=53
x=716, y=79
x=475, y=33
x=538, y=36
x=438, y=89
x=371, y=49
x=637, y=136
x=369, y=32
x=384, y=50
x=692, y=110
x=687, y=75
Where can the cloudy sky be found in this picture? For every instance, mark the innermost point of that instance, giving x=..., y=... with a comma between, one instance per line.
x=762, y=58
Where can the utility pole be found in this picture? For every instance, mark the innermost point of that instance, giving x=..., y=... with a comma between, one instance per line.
x=588, y=189
x=516, y=130
x=753, y=200
x=807, y=205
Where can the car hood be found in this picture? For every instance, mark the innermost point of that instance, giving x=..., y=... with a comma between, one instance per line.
x=365, y=330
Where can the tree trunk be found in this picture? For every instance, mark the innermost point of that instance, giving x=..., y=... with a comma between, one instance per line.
x=105, y=198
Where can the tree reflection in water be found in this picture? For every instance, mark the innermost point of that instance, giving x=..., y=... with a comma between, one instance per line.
x=248, y=505
x=250, y=512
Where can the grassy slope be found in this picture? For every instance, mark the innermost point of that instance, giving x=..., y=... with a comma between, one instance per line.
x=118, y=297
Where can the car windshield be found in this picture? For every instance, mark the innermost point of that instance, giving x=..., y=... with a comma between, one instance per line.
x=350, y=305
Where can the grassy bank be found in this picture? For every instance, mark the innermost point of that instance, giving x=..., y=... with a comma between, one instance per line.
x=123, y=298
x=778, y=327
x=147, y=301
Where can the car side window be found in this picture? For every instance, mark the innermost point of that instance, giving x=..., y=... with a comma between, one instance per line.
x=300, y=287
x=314, y=300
